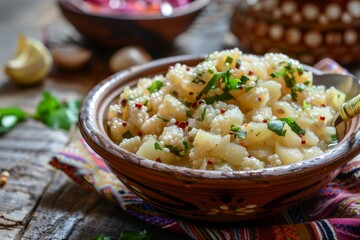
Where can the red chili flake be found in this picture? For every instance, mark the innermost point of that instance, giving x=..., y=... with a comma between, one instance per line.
x=193, y=105
x=201, y=102
x=158, y=159
x=259, y=98
x=222, y=111
x=322, y=118
x=209, y=162
x=323, y=105
x=187, y=69
x=300, y=71
x=265, y=121
x=300, y=135
x=250, y=73
x=123, y=102
x=124, y=124
x=139, y=133
x=303, y=141
x=138, y=105
x=231, y=132
x=182, y=124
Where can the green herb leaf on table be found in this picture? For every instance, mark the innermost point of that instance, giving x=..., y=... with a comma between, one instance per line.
x=9, y=117
x=55, y=114
x=50, y=111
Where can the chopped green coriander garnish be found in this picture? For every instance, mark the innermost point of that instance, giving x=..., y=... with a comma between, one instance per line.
x=127, y=134
x=288, y=74
x=334, y=137
x=293, y=125
x=157, y=146
x=176, y=151
x=229, y=60
x=155, y=86
x=277, y=126
x=188, y=113
x=164, y=119
x=186, y=145
x=202, y=115
x=222, y=97
x=238, y=133
x=209, y=85
x=306, y=105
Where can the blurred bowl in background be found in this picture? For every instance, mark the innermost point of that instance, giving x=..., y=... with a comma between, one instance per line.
x=153, y=31
x=306, y=30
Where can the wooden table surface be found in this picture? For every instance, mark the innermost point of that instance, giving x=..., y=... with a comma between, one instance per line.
x=39, y=202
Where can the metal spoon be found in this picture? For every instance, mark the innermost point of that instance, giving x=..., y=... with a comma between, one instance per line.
x=348, y=84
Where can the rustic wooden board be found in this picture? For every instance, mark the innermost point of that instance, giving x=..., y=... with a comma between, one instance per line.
x=25, y=153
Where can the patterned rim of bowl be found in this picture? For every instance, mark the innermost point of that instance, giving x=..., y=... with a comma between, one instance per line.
x=179, y=11
x=92, y=127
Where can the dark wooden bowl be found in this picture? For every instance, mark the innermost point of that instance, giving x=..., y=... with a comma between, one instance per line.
x=151, y=31
x=208, y=196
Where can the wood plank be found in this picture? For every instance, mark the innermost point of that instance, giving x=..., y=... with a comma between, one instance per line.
x=67, y=211
x=30, y=174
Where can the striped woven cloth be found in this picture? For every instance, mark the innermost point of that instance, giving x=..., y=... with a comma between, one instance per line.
x=333, y=213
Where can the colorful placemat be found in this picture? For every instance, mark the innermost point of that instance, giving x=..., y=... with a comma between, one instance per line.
x=333, y=213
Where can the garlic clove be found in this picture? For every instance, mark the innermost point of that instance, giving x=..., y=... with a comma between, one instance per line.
x=70, y=57
x=31, y=63
x=127, y=57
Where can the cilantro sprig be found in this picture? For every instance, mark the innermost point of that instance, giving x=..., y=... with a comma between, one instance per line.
x=288, y=74
x=50, y=111
x=9, y=117
x=277, y=126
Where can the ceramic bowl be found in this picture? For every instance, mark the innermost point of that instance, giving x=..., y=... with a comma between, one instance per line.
x=208, y=196
x=153, y=31
x=306, y=30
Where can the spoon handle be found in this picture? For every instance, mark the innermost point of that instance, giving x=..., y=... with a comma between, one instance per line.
x=350, y=109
